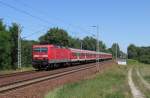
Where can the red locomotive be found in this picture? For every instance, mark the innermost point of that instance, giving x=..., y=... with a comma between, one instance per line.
x=48, y=56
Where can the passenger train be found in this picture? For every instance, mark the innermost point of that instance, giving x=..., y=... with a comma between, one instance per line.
x=49, y=56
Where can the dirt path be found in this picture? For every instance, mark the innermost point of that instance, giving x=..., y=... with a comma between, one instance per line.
x=134, y=90
x=146, y=84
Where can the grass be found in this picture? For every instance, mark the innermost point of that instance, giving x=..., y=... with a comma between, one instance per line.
x=144, y=68
x=110, y=84
x=140, y=85
x=131, y=62
x=145, y=72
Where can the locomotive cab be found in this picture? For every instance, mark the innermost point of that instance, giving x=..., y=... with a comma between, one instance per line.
x=40, y=53
x=40, y=56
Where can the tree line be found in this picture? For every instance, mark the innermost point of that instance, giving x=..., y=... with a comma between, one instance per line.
x=9, y=47
x=56, y=36
x=60, y=37
x=141, y=54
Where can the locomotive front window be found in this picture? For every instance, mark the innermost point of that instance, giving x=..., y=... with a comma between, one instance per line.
x=40, y=49
x=36, y=49
x=44, y=49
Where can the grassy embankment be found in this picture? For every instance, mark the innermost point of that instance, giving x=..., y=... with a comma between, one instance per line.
x=144, y=70
x=112, y=83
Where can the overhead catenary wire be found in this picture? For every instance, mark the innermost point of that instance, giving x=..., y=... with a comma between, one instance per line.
x=36, y=17
x=39, y=18
x=56, y=18
x=24, y=12
x=30, y=35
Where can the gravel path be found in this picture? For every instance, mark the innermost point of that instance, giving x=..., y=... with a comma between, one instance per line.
x=146, y=84
x=134, y=90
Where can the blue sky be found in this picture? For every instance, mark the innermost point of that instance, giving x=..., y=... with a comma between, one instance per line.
x=121, y=21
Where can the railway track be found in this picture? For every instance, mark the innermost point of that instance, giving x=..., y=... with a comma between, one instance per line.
x=49, y=75
x=16, y=74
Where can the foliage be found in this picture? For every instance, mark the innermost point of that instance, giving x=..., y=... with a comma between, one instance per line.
x=4, y=47
x=74, y=42
x=9, y=47
x=132, y=52
x=144, y=54
x=113, y=49
x=55, y=36
x=141, y=54
x=60, y=37
x=27, y=52
x=13, y=30
x=4, y=50
x=89, y=43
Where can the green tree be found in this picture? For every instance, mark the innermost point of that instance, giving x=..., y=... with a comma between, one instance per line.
x=89, y=43
x=141, y=54
x=102, y=46
x=55, y=36
x=123, y=55
x=74, y=42
x=113, y=49
x=2, y=26
x=132, y=52
x=27, y=52
x=13, y=30
x=4, y=47
x=144, y=55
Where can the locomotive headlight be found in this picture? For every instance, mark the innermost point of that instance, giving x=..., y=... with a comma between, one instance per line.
x=45, y=56
x=35, y=56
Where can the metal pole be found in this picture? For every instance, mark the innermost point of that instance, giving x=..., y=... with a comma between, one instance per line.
x=97, y=47
x=81, y=45
x=116, y=51
x=19, y=47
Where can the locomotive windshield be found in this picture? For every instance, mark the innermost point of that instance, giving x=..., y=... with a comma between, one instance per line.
x=40, y=49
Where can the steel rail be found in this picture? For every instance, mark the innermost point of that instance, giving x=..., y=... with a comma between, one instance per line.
x=21, y=83
x=39, y=79
x=16, y=74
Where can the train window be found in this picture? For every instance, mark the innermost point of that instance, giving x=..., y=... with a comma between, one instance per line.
x=78, y=54
x=36, y=49
x=83, y=54
x=44, y=49
x=74, y=54
x=40, y=49
x=87, y=54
